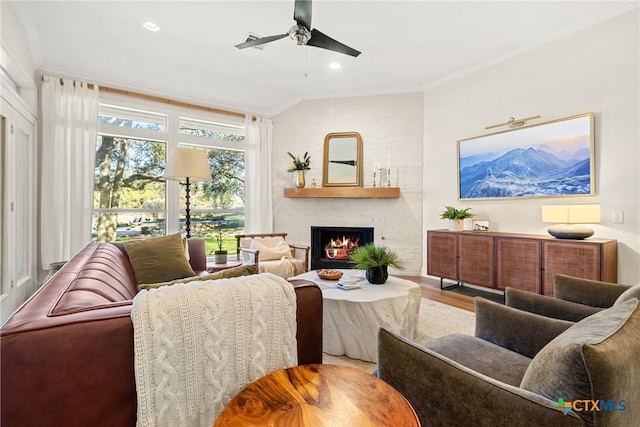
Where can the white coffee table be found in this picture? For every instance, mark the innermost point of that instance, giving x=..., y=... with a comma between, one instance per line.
x=352, y=317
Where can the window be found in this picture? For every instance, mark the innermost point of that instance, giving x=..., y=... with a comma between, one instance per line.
x=129, y=190
x=131, y=197
x=219, y=202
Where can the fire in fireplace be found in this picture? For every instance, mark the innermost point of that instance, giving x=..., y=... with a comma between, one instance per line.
x=331, y=247
x=341, y=248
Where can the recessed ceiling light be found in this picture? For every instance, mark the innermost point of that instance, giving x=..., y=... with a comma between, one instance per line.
x=335, y=66
x=151, y=26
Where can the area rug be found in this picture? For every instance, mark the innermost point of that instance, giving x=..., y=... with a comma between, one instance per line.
x=436, y=319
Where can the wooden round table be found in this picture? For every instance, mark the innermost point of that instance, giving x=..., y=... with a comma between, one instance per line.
x=212, y=267
x=318, y=395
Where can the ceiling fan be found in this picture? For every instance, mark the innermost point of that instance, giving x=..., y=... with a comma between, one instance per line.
x=301, y=34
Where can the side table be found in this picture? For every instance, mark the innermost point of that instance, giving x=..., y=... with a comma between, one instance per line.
x=318, y=395
x=212, y=268
x=351, y=318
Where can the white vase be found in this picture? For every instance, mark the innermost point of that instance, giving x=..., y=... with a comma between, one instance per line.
x=456, y=225
x=220, y=257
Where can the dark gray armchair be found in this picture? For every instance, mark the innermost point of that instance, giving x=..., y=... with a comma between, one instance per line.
x=516, y=368
x=573, y=298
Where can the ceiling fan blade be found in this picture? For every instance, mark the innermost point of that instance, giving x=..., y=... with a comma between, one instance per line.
x=302, y=13
x=321, y=40
x=260, y=41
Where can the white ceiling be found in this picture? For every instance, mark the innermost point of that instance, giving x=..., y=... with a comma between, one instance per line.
x=406, y=46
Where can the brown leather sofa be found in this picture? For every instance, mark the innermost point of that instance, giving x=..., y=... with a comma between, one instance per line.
x=66, y=355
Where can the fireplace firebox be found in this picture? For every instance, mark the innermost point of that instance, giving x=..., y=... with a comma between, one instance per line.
x=332, y=246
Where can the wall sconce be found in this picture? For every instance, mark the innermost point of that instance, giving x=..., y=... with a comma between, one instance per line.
x=190, y=164
x=567, y=218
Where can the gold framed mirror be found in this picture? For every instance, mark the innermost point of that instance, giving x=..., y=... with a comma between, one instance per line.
x=342, y=160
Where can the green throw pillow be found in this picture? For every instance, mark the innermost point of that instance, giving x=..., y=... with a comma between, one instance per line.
x=243, y=270
x=158, y=259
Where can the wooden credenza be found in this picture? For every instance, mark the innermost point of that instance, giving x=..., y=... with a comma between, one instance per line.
x=524, y=261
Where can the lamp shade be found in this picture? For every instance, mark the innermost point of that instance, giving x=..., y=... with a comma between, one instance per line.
x=189, y=163
x=568, y=216
x=571, y=214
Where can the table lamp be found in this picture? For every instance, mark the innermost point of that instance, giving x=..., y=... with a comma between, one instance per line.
x=568, y=218
x=190, y=164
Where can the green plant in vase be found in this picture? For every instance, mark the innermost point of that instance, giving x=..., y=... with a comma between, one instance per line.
x=300, y=167
x=375, y=260
x=456, y=217
x=219, y=255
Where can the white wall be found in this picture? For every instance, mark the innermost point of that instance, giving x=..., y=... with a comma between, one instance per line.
x=388, y=122
x=19, y=106
x=596, y=70
x=16, y=55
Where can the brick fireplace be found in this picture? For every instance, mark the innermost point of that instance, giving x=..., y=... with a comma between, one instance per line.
x=331, y=246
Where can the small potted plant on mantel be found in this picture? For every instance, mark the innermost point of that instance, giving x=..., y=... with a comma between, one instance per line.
x=219, y=255
x=456, y=217
x=300, y=167
x=375, y=260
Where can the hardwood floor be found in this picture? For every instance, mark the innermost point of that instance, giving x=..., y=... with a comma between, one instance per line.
x=431, y=290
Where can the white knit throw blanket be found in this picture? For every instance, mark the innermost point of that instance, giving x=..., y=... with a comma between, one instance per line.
x=285, y=267
x=198, y=344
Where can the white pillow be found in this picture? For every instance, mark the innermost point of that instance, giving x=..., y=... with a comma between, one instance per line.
x=279, y=251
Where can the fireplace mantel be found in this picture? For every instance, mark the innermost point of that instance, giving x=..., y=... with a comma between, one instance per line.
x=344, y=192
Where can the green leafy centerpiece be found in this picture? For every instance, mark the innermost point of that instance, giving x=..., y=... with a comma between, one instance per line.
x=375, y=260
x=456, y=217
x=300, y=167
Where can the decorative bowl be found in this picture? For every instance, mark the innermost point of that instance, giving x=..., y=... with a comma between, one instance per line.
x=329, y=274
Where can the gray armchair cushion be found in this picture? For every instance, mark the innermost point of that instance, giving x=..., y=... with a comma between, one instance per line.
x=520, y=331
x=596, y=359
x=548, y=306
x=481, y=356
x=632, y=292
x=583, y=291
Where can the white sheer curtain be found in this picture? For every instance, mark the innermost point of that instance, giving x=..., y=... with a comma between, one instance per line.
x=69, y=128
x=258, y=207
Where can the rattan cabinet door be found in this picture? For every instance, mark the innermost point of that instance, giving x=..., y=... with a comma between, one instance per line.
x=518, y=264
x=579, y=259
x=476, y=260
x=442, y=254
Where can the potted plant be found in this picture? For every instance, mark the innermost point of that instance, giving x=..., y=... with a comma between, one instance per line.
x=219, y=255
x=456, y=217
x=375, y=260
x=300, y=167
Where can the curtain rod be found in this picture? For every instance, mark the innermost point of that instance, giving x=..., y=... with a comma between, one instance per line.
x=163, y=100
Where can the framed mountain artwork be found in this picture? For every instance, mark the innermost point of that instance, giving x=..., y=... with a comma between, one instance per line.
x=550, y=159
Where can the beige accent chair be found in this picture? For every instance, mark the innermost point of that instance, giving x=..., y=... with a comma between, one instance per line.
x=273, y=254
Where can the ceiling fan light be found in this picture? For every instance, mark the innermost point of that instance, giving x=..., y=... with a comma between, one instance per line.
x=299, y=34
